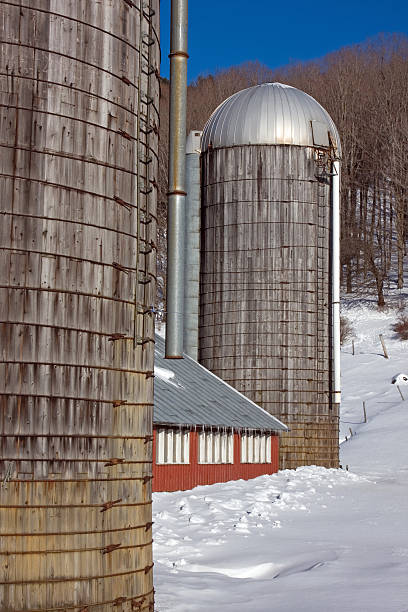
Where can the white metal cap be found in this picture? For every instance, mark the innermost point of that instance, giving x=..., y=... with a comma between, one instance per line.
x=193, y=142
x=271, y=113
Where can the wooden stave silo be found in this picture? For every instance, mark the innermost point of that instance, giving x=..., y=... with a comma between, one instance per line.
x=78, y=135
x=250, y=327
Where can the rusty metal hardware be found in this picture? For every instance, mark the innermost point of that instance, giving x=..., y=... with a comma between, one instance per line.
x=149, y=525
x=76, y=365
x=49, y=580
x=122, y=203
x=147, y=99
x=148, y=40
x=147, y=250
x=149, y=69
x=116, y=265
x=35, y=48
x=142, y=341
x=66, y=460
x=147, y=479
x=143, y=311
x=71, y=156
x=119, y=600
x=86, y=608
x=114, y=337
x=125, y=134
x=65, y=551
x=143, y=279
x=126, y=80
x=148, y=12
x=39, y=111
x=109, y=504
x=149, y=374
x=145, y=190
x=72, y=88
x=147, y=212
x=74, y=20
x=144, y=526
x=87, y=436
x=150, y=128
x=118, y=403
x=148, y=439
x=136, y=605
x=148, y=568
x=113, y=461
x=130, y=3
x=146, y=219
x=111, y=547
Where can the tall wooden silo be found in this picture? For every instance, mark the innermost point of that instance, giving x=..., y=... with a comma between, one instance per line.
x=78, y=136
x=269, y=155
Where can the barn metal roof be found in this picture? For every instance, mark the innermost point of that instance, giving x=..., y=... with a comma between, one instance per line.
x=185, y=393
x=271, y=113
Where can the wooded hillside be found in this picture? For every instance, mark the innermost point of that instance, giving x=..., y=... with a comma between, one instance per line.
x=365, y=90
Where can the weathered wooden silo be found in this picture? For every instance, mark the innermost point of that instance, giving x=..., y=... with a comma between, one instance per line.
x=269, y=155
x=78, y=137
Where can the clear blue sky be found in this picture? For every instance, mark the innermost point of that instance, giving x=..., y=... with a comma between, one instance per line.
x=225, y=33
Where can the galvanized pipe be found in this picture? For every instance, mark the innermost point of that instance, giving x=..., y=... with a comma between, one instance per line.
x=192, y=245
x=177, y=192
x=336, y=278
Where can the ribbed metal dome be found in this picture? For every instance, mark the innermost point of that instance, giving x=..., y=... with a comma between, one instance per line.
x=271, y=113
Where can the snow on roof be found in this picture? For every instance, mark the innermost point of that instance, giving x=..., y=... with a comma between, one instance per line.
x=185, y=393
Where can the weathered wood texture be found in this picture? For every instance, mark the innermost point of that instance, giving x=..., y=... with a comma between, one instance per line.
x=78, y=136
x=265, y=295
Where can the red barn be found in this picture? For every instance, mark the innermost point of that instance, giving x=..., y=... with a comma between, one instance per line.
x=204, y=430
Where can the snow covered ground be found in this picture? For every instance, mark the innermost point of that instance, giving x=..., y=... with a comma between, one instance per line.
x=311, y=539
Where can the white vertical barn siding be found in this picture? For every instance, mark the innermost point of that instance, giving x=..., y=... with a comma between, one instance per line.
x=265, y=300
x=172, y=446
x=78, y=137
x=215, y=447
x=255, y=448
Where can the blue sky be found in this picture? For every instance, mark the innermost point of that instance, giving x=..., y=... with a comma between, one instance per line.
x=225, y=33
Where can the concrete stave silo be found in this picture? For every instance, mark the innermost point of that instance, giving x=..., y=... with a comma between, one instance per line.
x=79, y=109
x=266, y=300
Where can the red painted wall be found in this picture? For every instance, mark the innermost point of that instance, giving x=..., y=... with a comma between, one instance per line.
x=181, y=477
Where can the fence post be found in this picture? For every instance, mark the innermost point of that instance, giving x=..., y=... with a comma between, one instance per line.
x=383, y=345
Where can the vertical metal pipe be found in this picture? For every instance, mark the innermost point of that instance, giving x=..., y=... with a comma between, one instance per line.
x=336, y=278
x=192, y=245
x=177, y=193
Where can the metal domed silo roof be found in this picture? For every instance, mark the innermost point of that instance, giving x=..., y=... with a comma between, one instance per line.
x=271, y=113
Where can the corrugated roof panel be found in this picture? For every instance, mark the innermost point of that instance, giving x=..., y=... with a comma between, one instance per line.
x=185, y=393
x=271, y=113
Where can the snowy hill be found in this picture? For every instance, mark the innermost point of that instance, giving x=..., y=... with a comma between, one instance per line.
x=311, y=539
